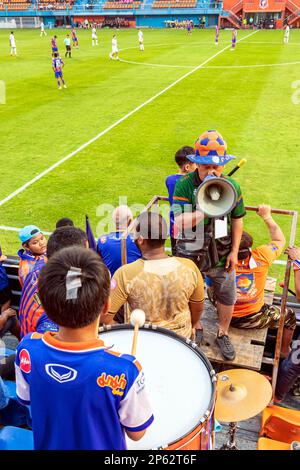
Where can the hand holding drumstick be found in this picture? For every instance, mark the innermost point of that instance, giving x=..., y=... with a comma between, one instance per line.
x=137, y=319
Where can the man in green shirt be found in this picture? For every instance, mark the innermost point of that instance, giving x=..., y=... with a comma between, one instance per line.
x=211, y=157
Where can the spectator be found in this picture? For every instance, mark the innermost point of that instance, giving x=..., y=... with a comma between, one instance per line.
x=33, y=317
x=294, y=254
x=185, y=166
x=64, y=222
x=216, y=258
x=289, y=371
x=110, y=246
x=32, y=259
x=34, y=250
x=9, y=323
x=250, y=311
x=5, y=292
x=94, y=412
x=169, y=290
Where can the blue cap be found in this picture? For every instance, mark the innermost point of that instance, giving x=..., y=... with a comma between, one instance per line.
x=28, y=232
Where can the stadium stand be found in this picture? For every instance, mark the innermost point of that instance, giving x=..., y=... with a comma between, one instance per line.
x=174, y=4
x=121, y=5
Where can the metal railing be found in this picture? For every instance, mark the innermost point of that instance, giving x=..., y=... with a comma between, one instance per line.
x=294, y=214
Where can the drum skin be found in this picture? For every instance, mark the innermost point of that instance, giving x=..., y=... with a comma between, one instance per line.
x=199, y=435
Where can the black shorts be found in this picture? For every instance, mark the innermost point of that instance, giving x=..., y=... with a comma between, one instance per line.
x=5, y=295
x=68, y=48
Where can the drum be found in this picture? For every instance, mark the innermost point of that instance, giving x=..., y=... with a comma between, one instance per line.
x=180, y=382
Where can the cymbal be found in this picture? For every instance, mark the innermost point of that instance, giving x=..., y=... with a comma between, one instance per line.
x=241, y=394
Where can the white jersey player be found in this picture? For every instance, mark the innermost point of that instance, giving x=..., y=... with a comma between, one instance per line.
x=286, y=34
x=12, y=42
x=94, y=37
x=43, y=32
x=141, y=40
x=114, y=48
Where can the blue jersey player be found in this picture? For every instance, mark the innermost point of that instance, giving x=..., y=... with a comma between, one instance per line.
x=74, y=38
x=233, y=39
x=57, y=65
x=83, y=395
x=54, y=45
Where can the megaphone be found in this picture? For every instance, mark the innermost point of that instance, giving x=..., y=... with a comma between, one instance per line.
x=216, y=196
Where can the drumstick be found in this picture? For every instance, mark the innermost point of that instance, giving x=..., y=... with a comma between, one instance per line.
x=137, y=319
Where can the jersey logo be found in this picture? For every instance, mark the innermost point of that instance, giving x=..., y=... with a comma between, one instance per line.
x=116, y=383
x=103, y=240
x=25, y=363
x=61, y=373
x=244, y=282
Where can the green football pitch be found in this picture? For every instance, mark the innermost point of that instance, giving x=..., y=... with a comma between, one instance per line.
x=120, y=122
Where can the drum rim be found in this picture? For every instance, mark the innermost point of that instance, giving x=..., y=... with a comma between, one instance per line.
x=191, y=345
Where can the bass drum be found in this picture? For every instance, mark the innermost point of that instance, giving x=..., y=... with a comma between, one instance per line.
x=181, y=385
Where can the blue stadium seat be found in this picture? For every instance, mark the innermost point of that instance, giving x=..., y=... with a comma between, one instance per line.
x=12, y=438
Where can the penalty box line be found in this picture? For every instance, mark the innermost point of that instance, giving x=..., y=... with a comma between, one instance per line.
x=115, y=124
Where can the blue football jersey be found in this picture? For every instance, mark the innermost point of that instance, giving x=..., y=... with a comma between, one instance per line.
x=171, y=183
x=82, y=395
x=109, y=248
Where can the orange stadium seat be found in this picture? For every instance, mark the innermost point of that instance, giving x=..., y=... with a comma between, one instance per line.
x=269, y=444
x=280, y=424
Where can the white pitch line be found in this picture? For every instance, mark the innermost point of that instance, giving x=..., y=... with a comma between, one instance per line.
x=112, y=126
x=148, y=64
x=16, y=229
x=249, y=66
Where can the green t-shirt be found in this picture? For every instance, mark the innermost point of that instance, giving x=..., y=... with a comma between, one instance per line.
x=184, y=200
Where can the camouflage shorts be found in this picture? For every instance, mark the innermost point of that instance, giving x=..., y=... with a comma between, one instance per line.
x=268, y=316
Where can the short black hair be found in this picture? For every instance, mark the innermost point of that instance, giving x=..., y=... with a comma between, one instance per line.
x=180, y=155
x=64, y=237
x=153, y=228
x=64, y=222
x=91, y=296
x=245, y=244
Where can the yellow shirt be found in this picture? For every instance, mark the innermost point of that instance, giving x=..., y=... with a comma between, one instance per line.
x=162, y=288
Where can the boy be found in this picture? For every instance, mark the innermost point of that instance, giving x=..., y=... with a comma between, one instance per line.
x=94, y=36
x=91, y=395
x=114, y=48
x=57, y=65
x=12, y=42
x=34, y=250
x=74, y=38
x=141, y=40
x=185, y=166
x=67, y=42
x=32, y=259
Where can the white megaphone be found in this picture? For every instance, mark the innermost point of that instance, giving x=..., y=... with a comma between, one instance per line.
x=216, y=196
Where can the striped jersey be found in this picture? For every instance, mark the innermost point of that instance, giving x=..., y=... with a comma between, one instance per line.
x=30, y=306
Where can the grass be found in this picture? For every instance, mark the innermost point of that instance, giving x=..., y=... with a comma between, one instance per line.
x=251, y=107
